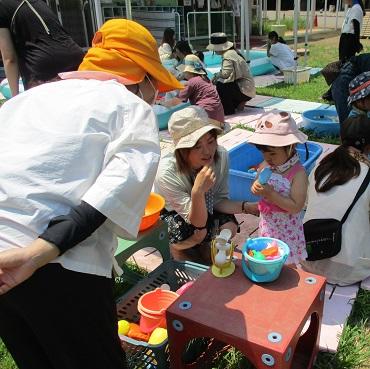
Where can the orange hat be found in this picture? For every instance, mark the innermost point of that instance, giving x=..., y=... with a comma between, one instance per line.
x=127, y=49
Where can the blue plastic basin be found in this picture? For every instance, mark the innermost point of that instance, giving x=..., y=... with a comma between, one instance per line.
x=263, y=270
x=163, y=117
x=5, y=88
x=321, y=121
x=260, y=64
x=245, y=156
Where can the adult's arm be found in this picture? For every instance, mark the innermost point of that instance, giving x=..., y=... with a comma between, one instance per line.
x=185, y=93
x=63, y=232
x=226, y=69
x=10, y=60
x=356, y=27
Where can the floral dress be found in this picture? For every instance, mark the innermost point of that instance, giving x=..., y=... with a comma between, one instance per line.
x=278, y=223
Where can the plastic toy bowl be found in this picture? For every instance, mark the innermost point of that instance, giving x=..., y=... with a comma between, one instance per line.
x=153, y=208
x=321, y=121
x=263, y=270
x=152, y=306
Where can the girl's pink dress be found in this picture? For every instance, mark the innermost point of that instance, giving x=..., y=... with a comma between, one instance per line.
x=278, y=223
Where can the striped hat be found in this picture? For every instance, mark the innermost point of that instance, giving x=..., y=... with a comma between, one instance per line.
x=359, y=87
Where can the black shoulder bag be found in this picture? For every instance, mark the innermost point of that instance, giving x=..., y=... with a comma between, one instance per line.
x=324, y=236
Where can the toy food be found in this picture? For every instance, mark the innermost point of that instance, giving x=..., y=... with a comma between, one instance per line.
x=158, y=336
x=258, y=255
x=123, y=327
x=137, y=334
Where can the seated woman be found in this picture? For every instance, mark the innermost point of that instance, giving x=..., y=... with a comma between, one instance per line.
x=166, y=47
x=194, y=182
x=199, y=89
x=332, y=188
x=234, y=82
x=280, y=54
x=181, y=49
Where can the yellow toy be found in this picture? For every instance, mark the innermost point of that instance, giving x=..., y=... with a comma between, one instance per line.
x=222, y=254
x=123, y=327
x=158, y=336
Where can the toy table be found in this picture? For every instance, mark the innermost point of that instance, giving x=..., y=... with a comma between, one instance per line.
x=263, y=321
x=155, y=236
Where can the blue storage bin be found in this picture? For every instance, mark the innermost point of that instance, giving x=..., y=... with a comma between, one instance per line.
x=163, y=118
x=321, y=121
x=245, y=156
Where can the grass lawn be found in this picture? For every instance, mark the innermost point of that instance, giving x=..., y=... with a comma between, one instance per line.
x=321, y=53
x=354, y=349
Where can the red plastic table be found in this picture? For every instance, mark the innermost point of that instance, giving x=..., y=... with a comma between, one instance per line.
x=264, y=321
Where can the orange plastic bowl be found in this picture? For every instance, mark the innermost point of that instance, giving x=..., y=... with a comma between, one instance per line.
x=152, y=209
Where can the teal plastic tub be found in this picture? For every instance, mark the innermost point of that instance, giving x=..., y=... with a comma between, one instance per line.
x=259, y=65
x=5, y=89
x=245, y=156
x=263, y=270
x=165, y=114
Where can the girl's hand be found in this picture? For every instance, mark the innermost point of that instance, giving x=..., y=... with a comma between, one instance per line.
x=262, y=190
x=204, y=180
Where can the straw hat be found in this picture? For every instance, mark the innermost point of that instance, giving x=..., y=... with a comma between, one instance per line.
x=278, y=129
x=188, y=125
x=192, y=64
x=127, y=49
x=219, y=42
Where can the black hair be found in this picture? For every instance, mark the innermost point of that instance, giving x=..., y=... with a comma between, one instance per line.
x=273, y=35
x=200, y=55
x=339, y=167
x=183, y=47
x=168, y=35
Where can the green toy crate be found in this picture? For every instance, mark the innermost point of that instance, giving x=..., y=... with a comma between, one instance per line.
x=141, y=355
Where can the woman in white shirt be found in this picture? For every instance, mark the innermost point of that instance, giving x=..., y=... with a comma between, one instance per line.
x=194, y=182
x=280, y=54
x=165, y=50
x=73, y=173
x=349, y=42
x=332, y=188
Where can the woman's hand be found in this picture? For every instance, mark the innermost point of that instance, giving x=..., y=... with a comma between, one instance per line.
x=204, y=180
x=18, y=264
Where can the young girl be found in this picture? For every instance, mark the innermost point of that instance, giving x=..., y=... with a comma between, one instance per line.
x=280, y=54
x=199, y=89
x=284, y=195
x=167, y=44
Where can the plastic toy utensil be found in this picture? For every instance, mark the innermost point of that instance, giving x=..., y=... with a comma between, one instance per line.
x=264, y=176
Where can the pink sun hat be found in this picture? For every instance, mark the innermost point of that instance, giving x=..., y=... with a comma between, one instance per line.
x=277, y=128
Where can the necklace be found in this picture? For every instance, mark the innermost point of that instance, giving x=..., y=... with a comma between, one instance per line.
x=287, y=165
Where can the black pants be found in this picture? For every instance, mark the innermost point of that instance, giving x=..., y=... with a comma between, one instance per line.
x=60, y=319
x=348, y=46
x=230, y=96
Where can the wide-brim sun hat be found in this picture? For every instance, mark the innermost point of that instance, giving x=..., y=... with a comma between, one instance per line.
x=192, y=64
x=277, y=128
x=219, y=42
x=125, y=48
x=188, y=125
x=359, y=87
